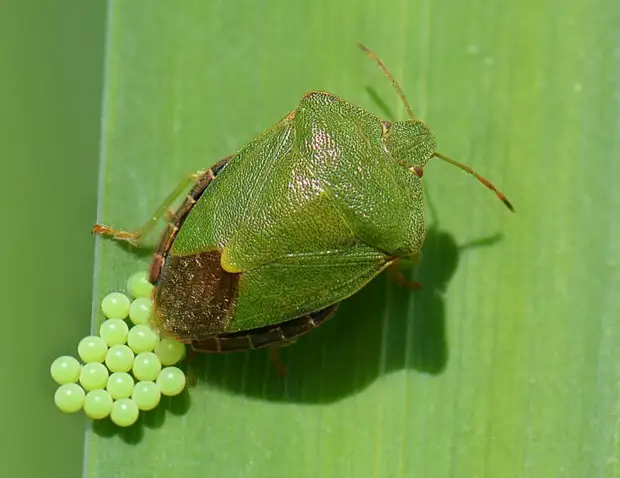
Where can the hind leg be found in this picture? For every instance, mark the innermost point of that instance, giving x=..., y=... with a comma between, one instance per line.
x=134, y=237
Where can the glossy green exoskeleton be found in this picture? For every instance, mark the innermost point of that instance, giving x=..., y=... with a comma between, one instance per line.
x=272, y=238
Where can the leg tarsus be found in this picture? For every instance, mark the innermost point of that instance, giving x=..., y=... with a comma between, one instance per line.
x=118, y=234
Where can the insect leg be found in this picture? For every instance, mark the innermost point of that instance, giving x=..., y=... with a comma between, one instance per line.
x=400, y=278
x=190, y=374
x=275, y=359
x=134, y=237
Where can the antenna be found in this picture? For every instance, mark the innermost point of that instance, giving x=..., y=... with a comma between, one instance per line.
x=387, y=73
x=403, y=98
x=484, y=181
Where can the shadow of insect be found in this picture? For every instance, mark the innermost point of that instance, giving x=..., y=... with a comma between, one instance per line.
x=343, y=356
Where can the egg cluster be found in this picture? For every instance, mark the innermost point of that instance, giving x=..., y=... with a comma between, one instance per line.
x=124, y=369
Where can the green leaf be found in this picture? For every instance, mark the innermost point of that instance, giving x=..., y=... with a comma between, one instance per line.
x=507, y=363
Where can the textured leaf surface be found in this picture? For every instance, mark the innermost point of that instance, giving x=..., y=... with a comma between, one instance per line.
x=507, y=363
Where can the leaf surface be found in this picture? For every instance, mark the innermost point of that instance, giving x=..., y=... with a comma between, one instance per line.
x=507, y=363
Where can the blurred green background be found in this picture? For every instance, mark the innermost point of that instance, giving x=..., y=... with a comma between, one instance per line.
x=505, y=365
x=51, y=61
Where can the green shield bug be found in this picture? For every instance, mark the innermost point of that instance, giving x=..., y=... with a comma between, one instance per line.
x=270, y=240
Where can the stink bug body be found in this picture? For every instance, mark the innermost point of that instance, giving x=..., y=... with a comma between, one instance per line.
x=272, y=238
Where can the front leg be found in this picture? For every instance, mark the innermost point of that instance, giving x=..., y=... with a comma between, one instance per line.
x=400, y=278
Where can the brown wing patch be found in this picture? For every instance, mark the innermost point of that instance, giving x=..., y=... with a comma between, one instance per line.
x=194, y=297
